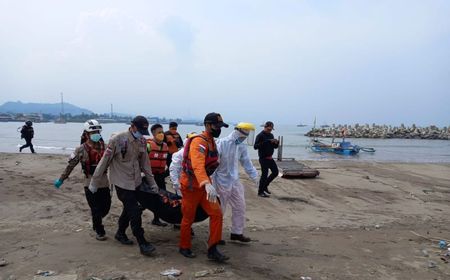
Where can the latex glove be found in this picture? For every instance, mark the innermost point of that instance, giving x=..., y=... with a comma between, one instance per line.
x=92, y=188
x=178, y=192
x=176, y=188
x=58, y=183
x=211, y=193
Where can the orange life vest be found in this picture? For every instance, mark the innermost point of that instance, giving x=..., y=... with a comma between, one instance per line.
x=211, y=160
x=157, y=155
x=93, y=159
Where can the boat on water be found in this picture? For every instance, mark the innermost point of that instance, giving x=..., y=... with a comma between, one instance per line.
x=301, y=125
x=340, y=148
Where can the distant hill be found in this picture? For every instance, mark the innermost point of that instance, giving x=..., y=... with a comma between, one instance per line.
x=44, y=108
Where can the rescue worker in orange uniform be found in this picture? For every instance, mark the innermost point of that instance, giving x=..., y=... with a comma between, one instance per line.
x=174, y=142
x=157, y=153
x=200, y=159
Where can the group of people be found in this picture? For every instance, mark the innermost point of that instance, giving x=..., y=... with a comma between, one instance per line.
x=204, y=173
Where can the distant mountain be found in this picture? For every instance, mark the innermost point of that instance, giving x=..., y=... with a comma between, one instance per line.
x=44, y=108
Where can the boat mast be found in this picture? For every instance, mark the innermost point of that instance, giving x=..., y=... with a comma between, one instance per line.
x=314, y=129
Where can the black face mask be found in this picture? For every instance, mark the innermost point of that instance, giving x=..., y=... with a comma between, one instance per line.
x=215, y=132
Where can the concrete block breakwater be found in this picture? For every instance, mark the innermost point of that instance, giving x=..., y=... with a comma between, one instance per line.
x=382, y=131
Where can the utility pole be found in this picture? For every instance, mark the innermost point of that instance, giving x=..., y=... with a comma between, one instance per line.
x=62, y=104
x=61, y=114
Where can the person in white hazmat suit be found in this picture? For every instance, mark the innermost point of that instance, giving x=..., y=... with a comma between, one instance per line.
x=176, y=166
x=175, y=170
x=232, y=151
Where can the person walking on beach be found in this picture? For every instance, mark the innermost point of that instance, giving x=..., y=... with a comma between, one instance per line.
x=157, y=153
x=173, y=140
x=232, y=151
x=89, y=154
x=27, y=133
x=200, y=159
x=126, y=156
x=265, y=143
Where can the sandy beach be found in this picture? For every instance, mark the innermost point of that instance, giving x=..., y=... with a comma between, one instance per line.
x=355, y=221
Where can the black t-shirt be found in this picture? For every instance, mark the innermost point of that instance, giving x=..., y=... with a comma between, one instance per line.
x=263, y=144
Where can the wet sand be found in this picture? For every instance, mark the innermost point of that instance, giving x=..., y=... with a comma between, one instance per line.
x=355, y=221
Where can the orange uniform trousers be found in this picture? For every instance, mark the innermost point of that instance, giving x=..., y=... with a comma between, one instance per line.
x=189, y=203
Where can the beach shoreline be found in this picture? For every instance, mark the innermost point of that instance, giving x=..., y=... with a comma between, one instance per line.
x=357, y=220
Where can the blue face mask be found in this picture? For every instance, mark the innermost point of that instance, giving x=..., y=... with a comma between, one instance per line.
x=239, y=140
x=137, y=134
x=95, y=137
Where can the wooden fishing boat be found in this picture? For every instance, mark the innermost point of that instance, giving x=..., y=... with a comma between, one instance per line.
x=340, y=148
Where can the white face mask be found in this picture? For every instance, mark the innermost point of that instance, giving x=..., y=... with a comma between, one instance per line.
x=137, y=134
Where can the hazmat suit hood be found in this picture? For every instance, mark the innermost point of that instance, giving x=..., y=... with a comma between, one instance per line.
x=230, y=155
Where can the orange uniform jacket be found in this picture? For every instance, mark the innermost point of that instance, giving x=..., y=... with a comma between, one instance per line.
x=194, y=194
x=197, y=154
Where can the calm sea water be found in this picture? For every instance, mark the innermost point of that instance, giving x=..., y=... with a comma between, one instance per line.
x=63, y=138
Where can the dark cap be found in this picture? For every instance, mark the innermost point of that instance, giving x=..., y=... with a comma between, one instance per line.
x=214, y=118
x=141, y=123
x=268, y=124
x=173, y=124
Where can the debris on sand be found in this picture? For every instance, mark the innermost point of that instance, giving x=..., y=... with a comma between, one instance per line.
x=3, y=262
x=204, y=273
x=172, y=271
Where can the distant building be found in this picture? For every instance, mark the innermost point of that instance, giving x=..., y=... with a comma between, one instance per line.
x=6, y=117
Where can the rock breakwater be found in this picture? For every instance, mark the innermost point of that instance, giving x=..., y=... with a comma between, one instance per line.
x=382, y=131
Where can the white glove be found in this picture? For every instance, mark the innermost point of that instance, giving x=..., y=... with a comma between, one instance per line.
x=178, y=192
x=176, y=188
x=92, y=188
x=211, y=193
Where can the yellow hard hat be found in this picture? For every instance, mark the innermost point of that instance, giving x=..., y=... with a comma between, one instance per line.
x=245, y=125
x=189, y=135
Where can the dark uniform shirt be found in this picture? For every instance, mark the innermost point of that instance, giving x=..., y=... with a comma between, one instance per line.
x=27, y=132
x=264, y=146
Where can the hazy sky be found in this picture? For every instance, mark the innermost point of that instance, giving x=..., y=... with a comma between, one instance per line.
x=285, y=61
